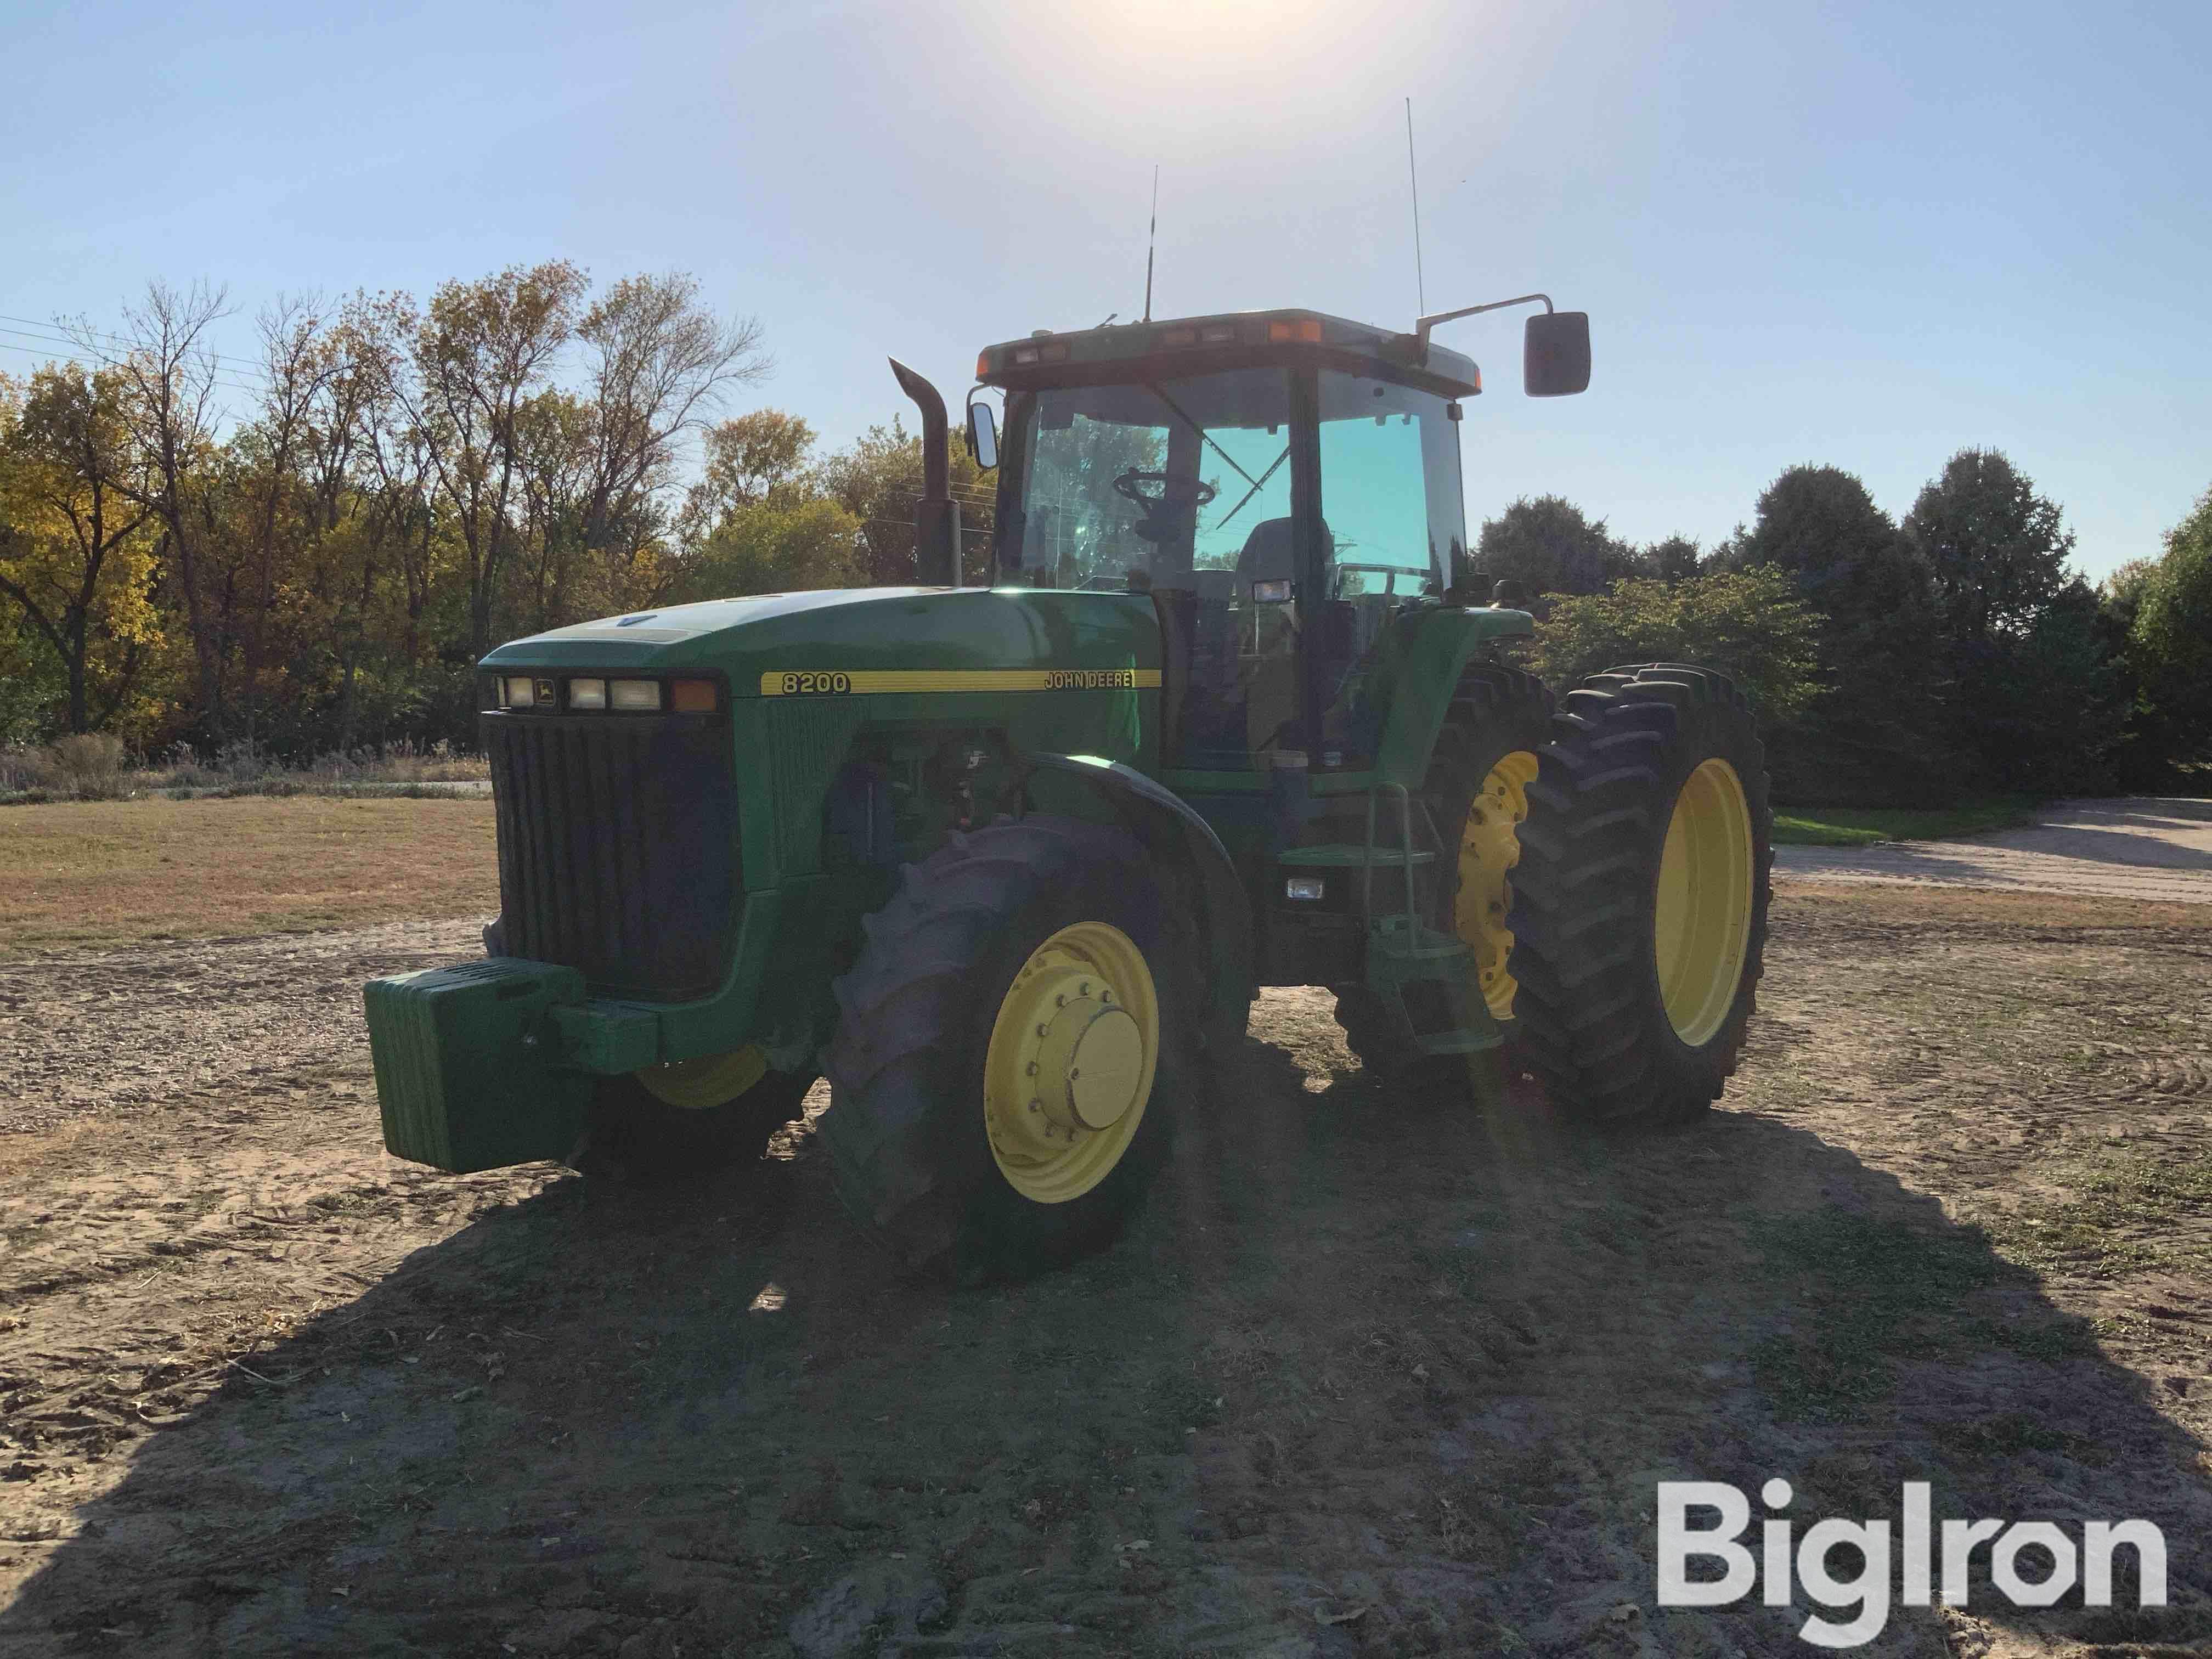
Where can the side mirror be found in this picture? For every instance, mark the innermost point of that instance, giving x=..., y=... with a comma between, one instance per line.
x=983, y=433
x=1555, y=354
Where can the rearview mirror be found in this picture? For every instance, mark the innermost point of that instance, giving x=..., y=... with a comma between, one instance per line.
x=1555, y=354
x=983, y=433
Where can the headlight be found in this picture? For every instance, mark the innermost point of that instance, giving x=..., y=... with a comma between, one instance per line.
x=587, y=694
x=521, y=692
x=634, y=694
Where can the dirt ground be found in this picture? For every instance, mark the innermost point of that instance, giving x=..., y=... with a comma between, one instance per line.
x=1369, y=1376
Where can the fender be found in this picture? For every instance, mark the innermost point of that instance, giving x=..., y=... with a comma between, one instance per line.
x=1417, y=691
x=1175, y=834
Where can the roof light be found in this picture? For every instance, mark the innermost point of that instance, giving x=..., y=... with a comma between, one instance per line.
x=1305, y=331
x=1179, y=337
x=983, y=364
x=1218, y=334
x=635, y=695
x=1024, y=356
x=1052, y=354
x=587, y=694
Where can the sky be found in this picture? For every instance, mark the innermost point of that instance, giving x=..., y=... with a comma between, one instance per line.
x=1865, y=235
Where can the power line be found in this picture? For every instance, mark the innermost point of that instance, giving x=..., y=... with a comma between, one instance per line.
x=105, y=362
x=247, y=363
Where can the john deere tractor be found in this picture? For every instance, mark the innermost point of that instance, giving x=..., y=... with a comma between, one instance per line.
x=1007, y=863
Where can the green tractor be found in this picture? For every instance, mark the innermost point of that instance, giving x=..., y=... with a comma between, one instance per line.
x=1008, y=862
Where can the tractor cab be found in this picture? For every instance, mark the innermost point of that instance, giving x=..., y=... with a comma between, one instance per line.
x=1284, y=484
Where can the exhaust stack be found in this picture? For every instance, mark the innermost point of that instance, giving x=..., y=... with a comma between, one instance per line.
x=936, y=515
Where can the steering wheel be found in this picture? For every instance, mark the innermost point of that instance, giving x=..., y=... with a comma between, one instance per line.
x=1131, y=484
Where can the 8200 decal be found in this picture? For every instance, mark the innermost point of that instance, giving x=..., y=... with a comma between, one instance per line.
x=808, y=679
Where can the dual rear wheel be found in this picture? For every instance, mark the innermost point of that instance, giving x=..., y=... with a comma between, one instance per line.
x=1611, y=885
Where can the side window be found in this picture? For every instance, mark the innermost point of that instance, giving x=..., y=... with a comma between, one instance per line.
x=1390, y=502
x=1375, y=463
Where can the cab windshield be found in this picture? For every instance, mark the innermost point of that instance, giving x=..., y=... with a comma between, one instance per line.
x=1183, y=487
x=1148, y=480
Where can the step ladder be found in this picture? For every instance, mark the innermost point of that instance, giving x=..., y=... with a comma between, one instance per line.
x=1422, y=975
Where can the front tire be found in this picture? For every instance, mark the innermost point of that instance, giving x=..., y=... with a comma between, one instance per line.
x=1639, y=902
x=667, y=1122
x=1003, y=1044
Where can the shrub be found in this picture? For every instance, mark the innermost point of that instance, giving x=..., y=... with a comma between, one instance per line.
x=89, y=765
x=1750, y=624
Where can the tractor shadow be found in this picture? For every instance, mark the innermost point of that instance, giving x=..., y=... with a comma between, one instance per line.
x=1360, y=1352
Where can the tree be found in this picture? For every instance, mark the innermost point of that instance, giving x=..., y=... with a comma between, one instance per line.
x=1549, y=546
x=1749, y=625
x=1877, y=734
x=2170, y=645
x=774, y=547
x=748, y=459
x=2038, y=702
x=170, y=376
x=480, y=353
x=1995, y=549
x=658, y=359
x=878, y=480
x=1671, y=560
x=75, y=556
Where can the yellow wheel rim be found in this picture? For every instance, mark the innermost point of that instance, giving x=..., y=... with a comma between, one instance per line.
x=1069, y=1070
x=1701, y=920
x=1488, y=846
x=699, y=1085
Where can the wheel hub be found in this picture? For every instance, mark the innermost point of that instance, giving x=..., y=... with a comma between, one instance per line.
x=1071, y=1061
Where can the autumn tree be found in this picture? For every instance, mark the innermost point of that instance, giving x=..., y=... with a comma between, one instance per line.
x=877, y=479
x=75, y=550
x=169, y=378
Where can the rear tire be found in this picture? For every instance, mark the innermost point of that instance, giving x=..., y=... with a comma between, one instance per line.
x=1485, y=755
x=926, y=1042
x=1639, y=903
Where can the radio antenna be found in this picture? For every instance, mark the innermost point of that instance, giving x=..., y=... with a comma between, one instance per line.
x=1420, y=284
x=1151, y=239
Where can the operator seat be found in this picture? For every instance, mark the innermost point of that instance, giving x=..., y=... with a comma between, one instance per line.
x=1270, y=670
x=1266, y=557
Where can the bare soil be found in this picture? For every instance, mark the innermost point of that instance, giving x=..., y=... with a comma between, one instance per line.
x=1371, y=1374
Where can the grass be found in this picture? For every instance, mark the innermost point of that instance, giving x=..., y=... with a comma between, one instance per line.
x=1862, y=826
x=81, y=874
x=2118, y=1217
x=1871, y=1290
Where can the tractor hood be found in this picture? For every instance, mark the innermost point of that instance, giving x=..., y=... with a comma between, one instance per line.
x=878, y=630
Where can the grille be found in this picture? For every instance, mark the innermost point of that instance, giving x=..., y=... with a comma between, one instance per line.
x=618, y=848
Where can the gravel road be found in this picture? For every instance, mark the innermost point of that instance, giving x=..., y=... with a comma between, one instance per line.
x=2139, y=847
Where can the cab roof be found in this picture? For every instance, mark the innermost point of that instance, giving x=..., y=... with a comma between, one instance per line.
x=1179, y=346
